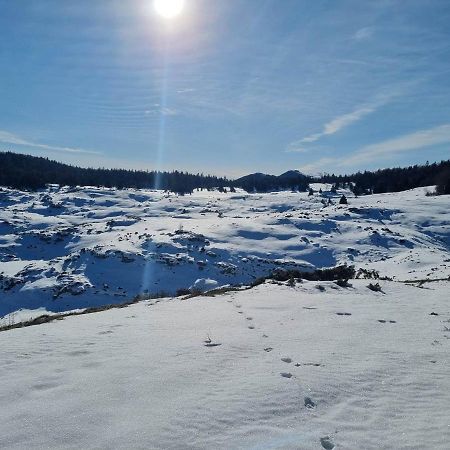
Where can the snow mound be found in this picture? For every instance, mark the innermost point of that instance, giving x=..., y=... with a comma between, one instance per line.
x=204, y=284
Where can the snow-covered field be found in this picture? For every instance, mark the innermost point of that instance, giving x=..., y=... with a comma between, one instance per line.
x=280, y=366
x=296, y=368
x=67, y=249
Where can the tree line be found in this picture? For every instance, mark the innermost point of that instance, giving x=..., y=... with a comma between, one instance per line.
x=395, y=179
x=30, y=173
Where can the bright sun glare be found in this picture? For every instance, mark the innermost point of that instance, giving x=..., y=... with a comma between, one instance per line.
x=169, y=8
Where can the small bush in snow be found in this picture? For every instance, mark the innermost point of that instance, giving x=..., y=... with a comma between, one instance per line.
x=374, y=287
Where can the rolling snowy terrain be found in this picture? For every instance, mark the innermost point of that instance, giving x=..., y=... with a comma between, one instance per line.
x=67, y=249
x=294, y=365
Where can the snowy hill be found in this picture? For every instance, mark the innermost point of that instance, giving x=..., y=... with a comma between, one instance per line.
x=283, y=365
x=65, y=249
x=274, y=367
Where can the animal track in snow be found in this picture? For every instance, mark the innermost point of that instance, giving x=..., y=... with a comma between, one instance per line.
x=286, y=360
x=326, y=442
x=268, y=349
x=78, y=353
x=308, y=364
x=44, y=386
x=343, y=314
x=309, y=403
x=286, y=374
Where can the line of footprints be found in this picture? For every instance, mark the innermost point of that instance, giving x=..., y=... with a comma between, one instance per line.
x=326, y=442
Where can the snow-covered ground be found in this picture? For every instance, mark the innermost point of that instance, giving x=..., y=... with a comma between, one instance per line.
x=280, y=366
x=73, y=248
x=297, y=368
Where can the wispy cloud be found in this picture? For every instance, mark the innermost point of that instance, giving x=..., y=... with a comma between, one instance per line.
x=385, y=149
x=363, y=33
x=409, y=142
x=320, y=166
x=297, y=147
x=9, y=138
x=340, y=122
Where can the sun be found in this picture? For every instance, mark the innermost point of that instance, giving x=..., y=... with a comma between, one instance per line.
x=168, y=8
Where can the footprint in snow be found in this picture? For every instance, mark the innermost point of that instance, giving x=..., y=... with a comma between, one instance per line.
x=249, y=318
x=308, y=364
x=309, y=403
x=286, y=360
x=268, y=349
x=344, y=314
x=286, y=374
x=326, y=442
x=44, y=386
x=78, y=353
x=209, y=343
x=251, y=327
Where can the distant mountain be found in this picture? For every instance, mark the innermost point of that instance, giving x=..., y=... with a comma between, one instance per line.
x=379, y=181
x=292, y=174
x=260, y=182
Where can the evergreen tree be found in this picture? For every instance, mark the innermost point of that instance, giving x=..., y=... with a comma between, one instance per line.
x=343, y=200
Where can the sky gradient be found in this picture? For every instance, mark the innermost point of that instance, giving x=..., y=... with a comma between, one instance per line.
x=228, y=87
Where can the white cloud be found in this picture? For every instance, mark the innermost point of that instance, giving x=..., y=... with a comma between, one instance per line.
x=319, y=166
x=185, y=91
x=405, y=143
x=9, y=138
x=363, y=33
x=384, y=150
x=346, y=120
x=169, y=112
x=296, y=147
x=340, y=122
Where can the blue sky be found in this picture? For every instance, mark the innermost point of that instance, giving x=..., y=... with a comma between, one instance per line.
x=228, y=87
